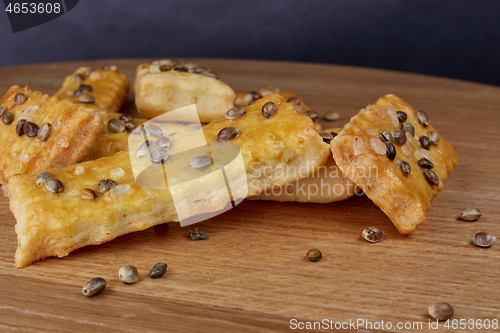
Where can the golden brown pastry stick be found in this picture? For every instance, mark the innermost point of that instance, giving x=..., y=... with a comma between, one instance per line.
x=397, y=179
x=74, y=129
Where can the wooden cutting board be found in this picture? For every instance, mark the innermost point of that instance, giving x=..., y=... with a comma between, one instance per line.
x=251, y=274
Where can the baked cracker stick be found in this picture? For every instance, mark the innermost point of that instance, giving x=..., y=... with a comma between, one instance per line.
x=74, y=131
x=274, y=151
x=108, y=88
x=360, y=153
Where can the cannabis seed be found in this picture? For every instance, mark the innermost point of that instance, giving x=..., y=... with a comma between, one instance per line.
x=94, y=287
x=199, y=162
x=19, y=98
x=126, y=117
x=372, y=234
x=425, y=142
x=180, y=69
x=116, y=126
x=44, y=132
x=294, y=100
x=20, y=127
x=470, y=214
x=228, y=133
x=269, y=109
x=159, y=155
x=130, y=125
x=197, y=235
x=434, y=137
x=54, y=185
x=235, y=113
x=333, y=134
x=197, y=70
x=143, y=150
x=154, y=130
x=158, y=270
x=408, y=128
x=255, y=95
x=391, y=151
x=386, y=137
x=425, y=163
x=399, y=137
x=85, y=88
x=484, y=239
x=405, y=167
x=110, y=67
x=211, y=74
x=78, y=78
x=30, y=129
x=43, y=177
x=422, y=116
x=163, y=142
x=431, y=177
x=327, y=137
x=128, y=274
x=314, y=255
x=401, y=116
x=86, y=99
x=331, y=116
x=7, y=118
x=311, y=114
x=88, y=194
x=441, y=311
x=105, y=185
x=165, y=68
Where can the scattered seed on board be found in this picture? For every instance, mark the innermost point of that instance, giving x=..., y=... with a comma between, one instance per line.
x=391, y=151
x=386, y=137
x=314, y=255
x=424, y=163
x=269, y=109
x=235, y=113
x=402, y=117
x=431, y=177
x=43, y=177
x=327, y=137
x=422, y=116
x=408, y=128
x=159, y=155
x=425, y=142
x=199, y=162
x=116, y=126
x=54, y=185
x=197, y=235
x=154, y=130
x=399, y=137
x=158, y=270
x=7, y=118
x=484, y=239
x=86, y=99
x=105, y=185
x=311, y=114
x=228, y=133
x=2, y=109
x=88, y=194
x=163, y=142
x=372, y=234
x=19, y=98
x=331, y=116
x=20, y=127
x=128, y=274
x=44, y=132
x=78, y=78
x=433, y=137
x=405, y=167
x=94, y=287
x=470, y=214
x=30, y=129
x=441, y=311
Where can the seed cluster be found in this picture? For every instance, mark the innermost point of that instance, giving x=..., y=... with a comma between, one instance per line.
x=179, y=66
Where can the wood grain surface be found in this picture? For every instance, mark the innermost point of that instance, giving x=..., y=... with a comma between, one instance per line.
x=251, y=275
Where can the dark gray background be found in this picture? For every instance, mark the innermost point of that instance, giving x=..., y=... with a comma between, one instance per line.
x=453, y=38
